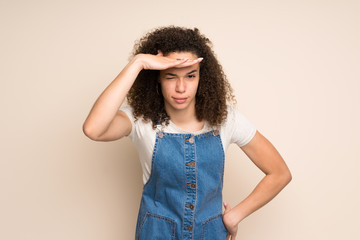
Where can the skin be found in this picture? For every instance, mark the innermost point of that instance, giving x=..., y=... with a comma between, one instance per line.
x=179, y=87
x=179, y=78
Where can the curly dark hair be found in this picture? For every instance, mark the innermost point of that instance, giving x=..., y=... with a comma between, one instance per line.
x=214, y=90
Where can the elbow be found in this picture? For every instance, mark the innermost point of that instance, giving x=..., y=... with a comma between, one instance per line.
x=89, y=132
x=286, y=177
x=281, y=178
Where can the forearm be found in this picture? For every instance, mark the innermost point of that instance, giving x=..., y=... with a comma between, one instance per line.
x=266, y=190
x=110, y=100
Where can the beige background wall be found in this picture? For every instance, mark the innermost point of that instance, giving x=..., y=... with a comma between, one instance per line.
x=294, y=66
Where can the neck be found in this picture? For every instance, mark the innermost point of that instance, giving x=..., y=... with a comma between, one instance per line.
x=185, y=118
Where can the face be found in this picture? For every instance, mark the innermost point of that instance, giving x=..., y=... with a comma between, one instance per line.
x=179, y=85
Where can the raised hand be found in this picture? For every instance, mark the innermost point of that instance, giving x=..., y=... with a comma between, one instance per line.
x=161, y=62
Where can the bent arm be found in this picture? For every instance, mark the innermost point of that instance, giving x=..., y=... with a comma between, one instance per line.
x=105, y=122
x=277, y=176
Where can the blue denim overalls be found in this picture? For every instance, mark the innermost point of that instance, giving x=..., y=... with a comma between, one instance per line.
x=183, y=197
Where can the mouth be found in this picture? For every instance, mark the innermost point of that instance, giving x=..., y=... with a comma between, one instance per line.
x=180, y=100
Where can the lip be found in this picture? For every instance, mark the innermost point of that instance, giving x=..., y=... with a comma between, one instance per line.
x=180, y=100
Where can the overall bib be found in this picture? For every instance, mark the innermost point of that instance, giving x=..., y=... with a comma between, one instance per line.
x=183, y=197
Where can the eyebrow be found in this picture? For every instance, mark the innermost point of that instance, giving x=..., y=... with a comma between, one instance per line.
x=172, y=74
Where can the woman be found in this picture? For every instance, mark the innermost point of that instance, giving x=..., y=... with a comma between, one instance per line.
x=181, y=120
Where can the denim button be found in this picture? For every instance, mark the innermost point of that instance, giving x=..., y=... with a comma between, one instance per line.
x=190, y=206
x=191, y=164
x=161, y=134
x=191, y=140
x=188, y=228
x=216, y=132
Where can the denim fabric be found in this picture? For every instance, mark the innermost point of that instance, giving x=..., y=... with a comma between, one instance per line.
x=183, y=196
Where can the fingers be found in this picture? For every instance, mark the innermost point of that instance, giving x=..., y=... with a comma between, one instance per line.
x=161, y=62
x=227, y=207
x=186, y=62
x=229, y=236
x=232, y=230
x=160, y=53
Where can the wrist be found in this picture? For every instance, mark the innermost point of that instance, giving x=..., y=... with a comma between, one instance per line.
x=238, y=214
x=137, y=62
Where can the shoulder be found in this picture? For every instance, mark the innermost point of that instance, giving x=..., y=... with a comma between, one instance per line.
x=129, y=112
x=140, y=127
x=237, y=127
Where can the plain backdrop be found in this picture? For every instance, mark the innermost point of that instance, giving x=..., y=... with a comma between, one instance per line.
x=294, y=67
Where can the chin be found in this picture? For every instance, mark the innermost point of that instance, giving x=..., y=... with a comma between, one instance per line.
x=179, y=106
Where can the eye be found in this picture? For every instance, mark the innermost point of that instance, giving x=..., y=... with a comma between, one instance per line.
x=191, y=76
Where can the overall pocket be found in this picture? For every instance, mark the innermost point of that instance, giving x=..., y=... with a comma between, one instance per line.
x=213, y=229
x=157, y=227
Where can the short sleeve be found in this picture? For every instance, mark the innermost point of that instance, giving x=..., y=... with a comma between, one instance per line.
x=129, y=112
x=242, y=130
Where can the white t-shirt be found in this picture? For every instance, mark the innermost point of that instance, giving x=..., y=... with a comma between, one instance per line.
x=236, y=129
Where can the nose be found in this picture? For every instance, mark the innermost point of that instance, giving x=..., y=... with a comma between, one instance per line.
x=180, y=85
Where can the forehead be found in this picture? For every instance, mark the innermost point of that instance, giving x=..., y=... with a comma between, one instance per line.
x=184, y=70
x=181, y=71
x=181, y=55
